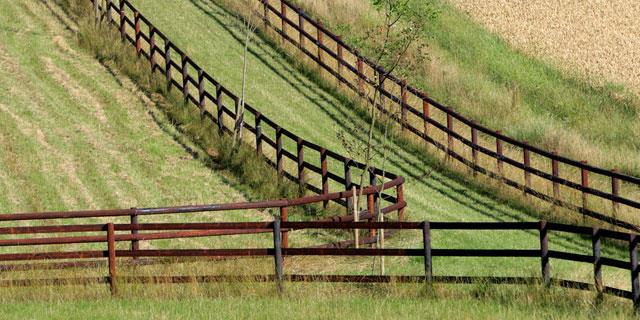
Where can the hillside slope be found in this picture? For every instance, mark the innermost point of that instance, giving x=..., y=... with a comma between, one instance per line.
x=209, y=34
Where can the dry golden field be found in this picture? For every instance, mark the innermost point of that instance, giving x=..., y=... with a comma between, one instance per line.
x=599, y=39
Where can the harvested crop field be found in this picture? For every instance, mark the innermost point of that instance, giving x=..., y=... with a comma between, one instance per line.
x=598, y=39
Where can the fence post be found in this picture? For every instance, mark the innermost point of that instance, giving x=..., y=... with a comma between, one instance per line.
x=109, y=17
x=474, y=149
x=301, y=28
x=403, y=105
x=258, y=133
x=635, y=283
x=555, y=171
x=325, y=176
x=373, y=200
x=356, y=217
x=300, y=157
x=426, y=240
x=283, y=23
x=381, y=79
x=135, y=244
x=201, y=97
x=371, y=209
x=279, y=163
x=527, y=164
x=167, y=63
x=277, y=246
x=136, y=20
x=284, y=216
x=185, y=75
x=339, y=59
x=320, y=37
x=400, y=198
x=499, y=153
x=111, y=248
x=425, y=116
x=360, y=76
x=449, y=137
x=123, y=34
x=152, y=47
x=544, y=253
x=220, y=109
x=597, y=264
x=347, y=182
x=584, y=179
x=265, y=18
x=615, y=190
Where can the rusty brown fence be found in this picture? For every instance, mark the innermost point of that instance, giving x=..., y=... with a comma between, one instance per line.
x=274, y=143
x=451, y=132
x=280, y=249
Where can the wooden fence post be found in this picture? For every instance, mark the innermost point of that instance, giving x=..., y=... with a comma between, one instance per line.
x=300, y=158
x=425, y=116
x=258, y=133
x=449, y=137
x=185, y=75
x=372, y=200
x=320, y=37
x=615, y=190
x=584, y=181
x=220, y=109
x=555, y=171
x=474, y=149
x=152, y=48
x=201, y=96
x=635, y=283
x=301, y=28
x=544, y=253
x=360, y=75
x=265, y=18
x=499, y=163
x=283, y=23
x=277, y=246
x=527, y=163
x=136, y=19
x=135, y=244
x=428, y=263
x=356, y=217
x=111, y=248
x=400, y=199
x=109, y=17
x=279, y=164
x=347, y=182
x=284, y=216
x=325, y=176
x=339, y=59
x=123, y=34
x=597, y=263
x=403, y=105
x=167, y=63
x=371, y=209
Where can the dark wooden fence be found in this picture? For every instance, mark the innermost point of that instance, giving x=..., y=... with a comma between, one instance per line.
x=332, y=54
x=207, y=94
x=279, y=250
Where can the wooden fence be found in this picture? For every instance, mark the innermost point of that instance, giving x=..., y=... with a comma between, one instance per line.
x=414, y=111
x=280, y=249
x=209, y=96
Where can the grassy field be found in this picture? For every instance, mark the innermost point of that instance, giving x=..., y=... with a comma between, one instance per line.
x=431, y=193
x=481, y=76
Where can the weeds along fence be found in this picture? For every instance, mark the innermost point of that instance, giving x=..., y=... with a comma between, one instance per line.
x=280, y=250
x=315, y=168
x=539, y=173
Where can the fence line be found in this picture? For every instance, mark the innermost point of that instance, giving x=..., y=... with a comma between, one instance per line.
x=356, y=78
x=279, y=251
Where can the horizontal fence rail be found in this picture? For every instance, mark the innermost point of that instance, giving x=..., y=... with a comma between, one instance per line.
x=279, y=251
x=293, y=25
x=210, y=97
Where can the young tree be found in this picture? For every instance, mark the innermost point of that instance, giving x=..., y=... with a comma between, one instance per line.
x=402, y=23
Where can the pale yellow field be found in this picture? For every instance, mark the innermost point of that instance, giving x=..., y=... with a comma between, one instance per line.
x=599, y=39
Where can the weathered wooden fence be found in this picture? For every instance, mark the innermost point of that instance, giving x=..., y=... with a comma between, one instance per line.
x=280, y=249
x=415, y=111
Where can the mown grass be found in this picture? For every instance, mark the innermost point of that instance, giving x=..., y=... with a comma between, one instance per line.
x=480, y=75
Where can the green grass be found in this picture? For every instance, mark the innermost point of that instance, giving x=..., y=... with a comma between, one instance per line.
x=481, y=76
